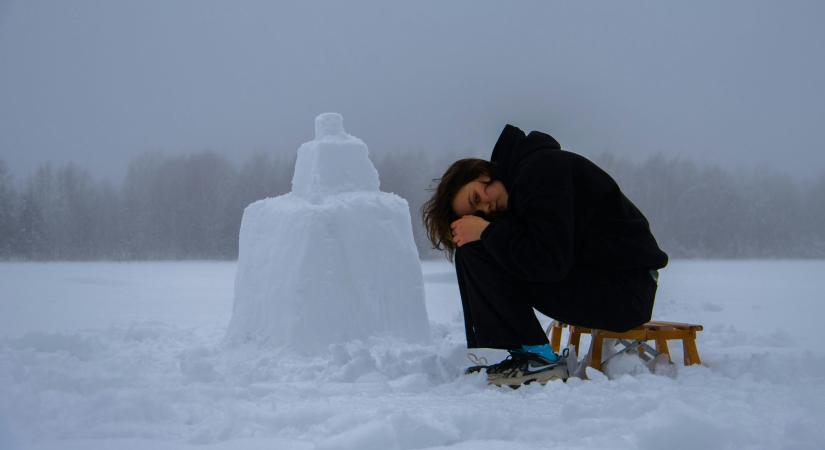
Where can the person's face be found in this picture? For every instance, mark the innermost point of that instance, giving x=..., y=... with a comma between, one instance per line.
x=478, y=198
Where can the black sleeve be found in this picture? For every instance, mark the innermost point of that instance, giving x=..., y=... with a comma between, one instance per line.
x=534, y=241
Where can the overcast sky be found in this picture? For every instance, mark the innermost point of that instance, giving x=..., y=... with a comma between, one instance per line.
x=738, y=83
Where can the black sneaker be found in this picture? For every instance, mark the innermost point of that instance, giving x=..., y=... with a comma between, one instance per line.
x=524, y=368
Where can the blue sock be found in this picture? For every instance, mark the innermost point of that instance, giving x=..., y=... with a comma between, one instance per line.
x=543, y=350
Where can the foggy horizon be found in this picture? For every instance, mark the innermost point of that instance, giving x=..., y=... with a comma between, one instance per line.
x=736, y=85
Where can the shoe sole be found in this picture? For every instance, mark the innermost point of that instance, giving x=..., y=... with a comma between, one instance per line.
x=556, y=373
x=474, y=369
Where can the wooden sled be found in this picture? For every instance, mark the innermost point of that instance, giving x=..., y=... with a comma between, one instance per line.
x=636, y=338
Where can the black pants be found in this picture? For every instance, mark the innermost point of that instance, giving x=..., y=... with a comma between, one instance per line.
x=498, y=307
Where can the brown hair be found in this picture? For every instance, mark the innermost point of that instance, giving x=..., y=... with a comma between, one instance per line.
x=438, y=213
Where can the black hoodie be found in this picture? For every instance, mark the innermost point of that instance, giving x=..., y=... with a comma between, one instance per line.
x=563, y=213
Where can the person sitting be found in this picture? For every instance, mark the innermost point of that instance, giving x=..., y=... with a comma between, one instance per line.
x=540, y=227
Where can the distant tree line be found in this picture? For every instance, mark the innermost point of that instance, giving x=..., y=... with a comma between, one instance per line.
x=190, y=207
x=707, y=212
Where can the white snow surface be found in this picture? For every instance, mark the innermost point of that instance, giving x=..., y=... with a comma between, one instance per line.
x=131, y=356
x=333, y=260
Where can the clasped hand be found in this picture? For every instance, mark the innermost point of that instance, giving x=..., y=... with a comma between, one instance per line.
x=468, y=229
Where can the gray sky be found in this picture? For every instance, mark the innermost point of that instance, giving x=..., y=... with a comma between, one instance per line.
x=739, y=83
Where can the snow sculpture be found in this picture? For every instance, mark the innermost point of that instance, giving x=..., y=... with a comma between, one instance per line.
x=331, y=261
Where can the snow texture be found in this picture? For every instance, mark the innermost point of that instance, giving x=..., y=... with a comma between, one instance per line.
x=332, y=261
x=129, y=356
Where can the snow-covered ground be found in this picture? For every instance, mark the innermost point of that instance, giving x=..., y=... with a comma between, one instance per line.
x=129, y=356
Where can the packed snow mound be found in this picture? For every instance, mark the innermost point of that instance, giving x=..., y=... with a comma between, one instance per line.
x=333, y=163
x=332, y=261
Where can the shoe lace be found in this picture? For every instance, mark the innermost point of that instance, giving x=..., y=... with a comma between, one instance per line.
x=513, y=361
x=477, y=360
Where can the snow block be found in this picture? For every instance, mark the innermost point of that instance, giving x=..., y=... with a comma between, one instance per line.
x=332, y=261
x=334, y=162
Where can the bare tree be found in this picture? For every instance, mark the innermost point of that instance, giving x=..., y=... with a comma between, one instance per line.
x=8, y=208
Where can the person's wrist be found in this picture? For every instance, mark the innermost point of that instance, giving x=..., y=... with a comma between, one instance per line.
x=483, y=230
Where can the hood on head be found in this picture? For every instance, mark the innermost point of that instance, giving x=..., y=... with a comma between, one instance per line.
x=512, y=146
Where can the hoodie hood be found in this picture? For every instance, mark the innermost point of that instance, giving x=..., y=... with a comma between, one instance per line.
x=513, y=146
